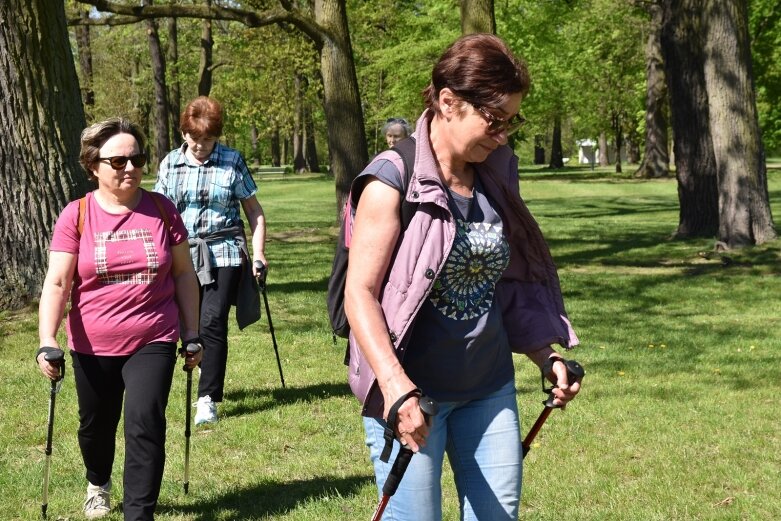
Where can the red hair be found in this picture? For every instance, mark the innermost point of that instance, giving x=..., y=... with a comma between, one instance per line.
x=202, y=117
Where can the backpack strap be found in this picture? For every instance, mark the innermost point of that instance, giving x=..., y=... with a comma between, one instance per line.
x=406, y=150
x=82, y=213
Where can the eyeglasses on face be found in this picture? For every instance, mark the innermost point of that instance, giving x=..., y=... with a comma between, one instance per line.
x=119, y=162
x=497, y=125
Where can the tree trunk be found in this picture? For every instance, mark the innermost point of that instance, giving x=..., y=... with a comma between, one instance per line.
x=299, y=162
x=694, y=160
x=539, y=149
x=310, y=146
x=85, y=59
x=744, y=208
x=205, y=66
x=174, y=89
x=346, y=134
x=477, y=16
x=255, y=148
x=604, y=156
x=656, y=161
x=41, y=118
x=556, y=152
x=162, y=141
x=619, y=140
x=275, y=148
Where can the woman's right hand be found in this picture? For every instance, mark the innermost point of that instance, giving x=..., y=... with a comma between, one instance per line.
x=48, y=369
x=411, y=427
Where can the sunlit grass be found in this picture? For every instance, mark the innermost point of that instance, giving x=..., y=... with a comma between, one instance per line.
x=678, y=419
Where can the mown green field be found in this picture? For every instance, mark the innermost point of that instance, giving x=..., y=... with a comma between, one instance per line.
x=679, y=417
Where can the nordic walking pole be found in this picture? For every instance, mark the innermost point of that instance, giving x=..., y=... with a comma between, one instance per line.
x=56, y=357
x=261, y=278
x=189, y=350
x=575, y=373
x=429, y=408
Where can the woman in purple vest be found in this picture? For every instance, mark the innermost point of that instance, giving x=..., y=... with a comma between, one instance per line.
x=441, y=305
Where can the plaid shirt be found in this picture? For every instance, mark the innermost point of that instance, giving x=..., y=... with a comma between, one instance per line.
x=208, y=196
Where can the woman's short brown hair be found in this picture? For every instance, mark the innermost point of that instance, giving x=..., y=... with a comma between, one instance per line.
x=202, y=117
x=95, y=136
x=480, y=69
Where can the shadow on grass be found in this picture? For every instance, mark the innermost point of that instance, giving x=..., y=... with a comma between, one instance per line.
x=269, y=498
x=248, y=401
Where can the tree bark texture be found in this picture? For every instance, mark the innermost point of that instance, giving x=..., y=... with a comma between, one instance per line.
x=656, y=161
x=41, y=118
x=276, y=159
x=744, y=208
x=477, y=16
x=694, y=160
x=619, y=139
x=162, y=140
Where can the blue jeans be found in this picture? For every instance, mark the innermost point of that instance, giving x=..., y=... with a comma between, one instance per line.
x=483, y=442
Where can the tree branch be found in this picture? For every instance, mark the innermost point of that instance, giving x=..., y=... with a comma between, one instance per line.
x=250, y=18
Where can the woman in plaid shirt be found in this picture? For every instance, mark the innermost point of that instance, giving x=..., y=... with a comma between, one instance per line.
x=209, y=183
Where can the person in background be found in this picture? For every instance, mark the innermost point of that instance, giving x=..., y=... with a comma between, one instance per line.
x=438, y=308
x=210, y=183
x=123, y=260
x=394, y=130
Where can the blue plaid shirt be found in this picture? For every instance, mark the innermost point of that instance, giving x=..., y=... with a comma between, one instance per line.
x=208, y=196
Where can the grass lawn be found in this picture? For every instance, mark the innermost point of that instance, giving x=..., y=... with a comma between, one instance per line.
x=679, y=418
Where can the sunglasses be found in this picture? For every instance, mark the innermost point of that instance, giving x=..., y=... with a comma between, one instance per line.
x=119, y=162
x=497, y=125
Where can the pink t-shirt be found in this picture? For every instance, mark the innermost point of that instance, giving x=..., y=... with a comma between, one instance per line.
x=123, y=291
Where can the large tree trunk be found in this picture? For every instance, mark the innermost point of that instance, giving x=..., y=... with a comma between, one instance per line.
x=556, y=151
x=656, y=161
x=41, y=118
x=162, y=141
x=346, y=134
x=694, y=160
x=477, y=16
x=744, y=208
x=255, y=144
x=539, y=149
x=174, y=89
x=85, y=59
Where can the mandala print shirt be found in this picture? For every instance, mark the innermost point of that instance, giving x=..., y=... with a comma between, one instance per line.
x=458, y=349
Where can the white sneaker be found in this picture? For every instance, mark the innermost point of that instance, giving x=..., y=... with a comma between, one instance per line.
x=206, y=411
x=98, y=502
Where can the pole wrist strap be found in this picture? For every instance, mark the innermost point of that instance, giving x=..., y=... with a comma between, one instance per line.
x=390, y=425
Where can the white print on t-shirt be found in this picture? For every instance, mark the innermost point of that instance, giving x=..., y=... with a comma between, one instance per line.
x=125, y=257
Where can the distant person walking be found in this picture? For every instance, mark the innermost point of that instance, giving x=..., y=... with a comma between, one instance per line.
x=394, y=130
x=210, y=183
x=121, y=255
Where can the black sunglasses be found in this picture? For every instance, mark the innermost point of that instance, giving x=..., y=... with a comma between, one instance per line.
x=497, y=125
x=119, y=162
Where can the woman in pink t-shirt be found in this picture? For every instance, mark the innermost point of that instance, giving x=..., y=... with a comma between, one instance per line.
x=124, y=262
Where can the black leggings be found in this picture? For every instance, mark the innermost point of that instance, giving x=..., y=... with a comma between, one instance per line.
x=144, y=380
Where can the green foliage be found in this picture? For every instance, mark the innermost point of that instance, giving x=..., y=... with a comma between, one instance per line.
x=765, y=32
x=678, y=418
